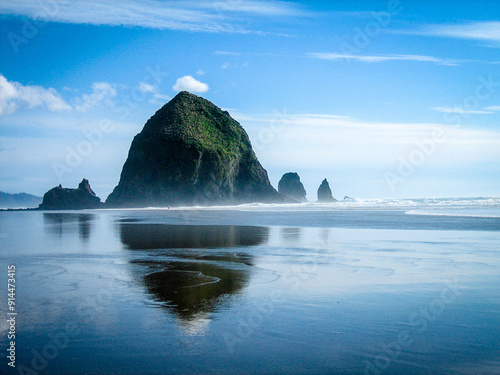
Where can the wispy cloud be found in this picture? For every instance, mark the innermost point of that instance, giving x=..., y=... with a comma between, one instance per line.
x=151, y=89
x=484, y=30
x=461, y=110
x=146, y=87
x=194, y=16
x=227, y=53
x=495, y=108
x=384, y=58
x=361, y=14
x=322, y=140
x=265, y=8
x=102, y=92
x=14, y=95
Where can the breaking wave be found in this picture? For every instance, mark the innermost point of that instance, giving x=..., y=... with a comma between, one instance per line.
x=478, y=206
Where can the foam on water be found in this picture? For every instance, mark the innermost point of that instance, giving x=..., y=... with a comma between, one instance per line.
x=485, y=212
x=478, y=203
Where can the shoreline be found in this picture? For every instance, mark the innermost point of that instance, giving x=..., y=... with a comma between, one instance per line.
x=356, y=203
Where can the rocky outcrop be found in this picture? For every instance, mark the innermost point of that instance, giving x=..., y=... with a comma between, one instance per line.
x=60, y=198
x=325, y=193
x=191, y=152
x=291, y=187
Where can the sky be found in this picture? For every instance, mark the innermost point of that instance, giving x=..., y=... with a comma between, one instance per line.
x=385, y=99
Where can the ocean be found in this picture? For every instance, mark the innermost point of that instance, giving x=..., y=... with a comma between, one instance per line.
x=358, y=287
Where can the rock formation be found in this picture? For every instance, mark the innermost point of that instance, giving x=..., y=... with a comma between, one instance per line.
x=291, y=187
x=324, y=192
x=191, y=152
x=60, y=198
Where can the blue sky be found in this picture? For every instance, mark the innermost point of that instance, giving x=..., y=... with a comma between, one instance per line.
x=385, y=99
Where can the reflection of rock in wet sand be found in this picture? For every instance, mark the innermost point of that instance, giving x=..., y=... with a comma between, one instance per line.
x=193, y=289
x=57, y=223
x=163, y=236
x=197, y=281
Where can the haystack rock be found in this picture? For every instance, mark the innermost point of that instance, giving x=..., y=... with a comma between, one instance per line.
x=325, y=193
x=60, y=198
x=191, y=152
x=291, y=187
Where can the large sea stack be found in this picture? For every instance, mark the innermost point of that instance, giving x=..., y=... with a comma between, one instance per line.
x=191, y=152
x=291, y=187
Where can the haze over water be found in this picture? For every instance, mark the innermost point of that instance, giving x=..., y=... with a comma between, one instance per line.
x=365, y=287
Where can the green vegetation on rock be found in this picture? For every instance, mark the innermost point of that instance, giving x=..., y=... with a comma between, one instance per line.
x=191, y=152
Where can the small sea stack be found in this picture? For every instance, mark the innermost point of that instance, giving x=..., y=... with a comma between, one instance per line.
x=325, y=193
x=291, y=187
x=59, y=198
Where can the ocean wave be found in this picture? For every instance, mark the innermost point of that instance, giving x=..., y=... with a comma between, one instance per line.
x=453, y=214
x=356, y=204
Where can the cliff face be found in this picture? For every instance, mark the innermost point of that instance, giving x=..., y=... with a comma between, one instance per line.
x=291, y=187
x=60, y=198
x=325, y=193
x=191, y=152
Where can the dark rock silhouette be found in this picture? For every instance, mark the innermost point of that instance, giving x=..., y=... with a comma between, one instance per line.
x=348, y=199
x=64, y=223
x=166, y=236
x=194, y=289
x=60, y=198
x=191, y=152
x=325, y=193
x=291, y=187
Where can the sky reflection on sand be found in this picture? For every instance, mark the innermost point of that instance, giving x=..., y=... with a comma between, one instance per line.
x=238, y=298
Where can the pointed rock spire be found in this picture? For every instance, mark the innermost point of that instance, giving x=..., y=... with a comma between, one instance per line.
x=325, y=193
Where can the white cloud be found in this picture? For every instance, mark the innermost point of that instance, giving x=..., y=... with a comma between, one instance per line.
x=161, y=97
x=383, y=58
x=265, y=8
x=484, y=30
x=188, y=83
x=461, y=110
x=318, y=141
x=494, y=108
x=102, y=92
x=196, y=16
x=360, y=14
x=227, y=53
x=14, y=95
x=148, y=88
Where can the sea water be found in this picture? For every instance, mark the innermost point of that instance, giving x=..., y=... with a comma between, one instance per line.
x=359, y=287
